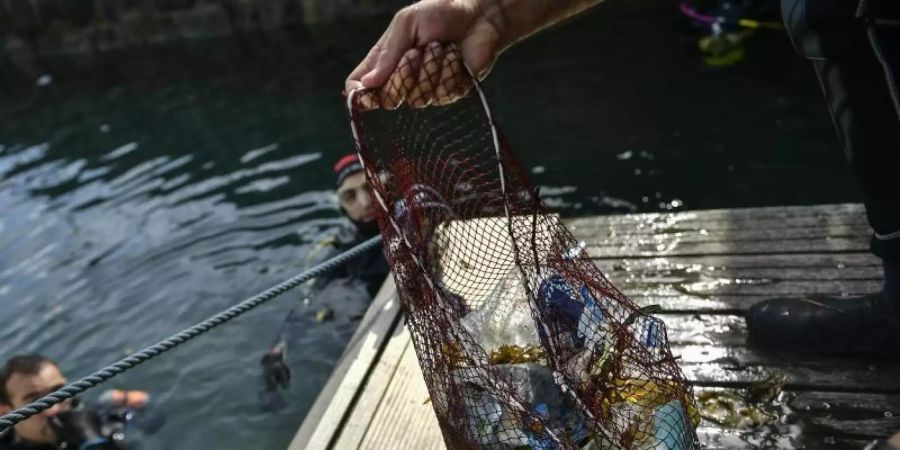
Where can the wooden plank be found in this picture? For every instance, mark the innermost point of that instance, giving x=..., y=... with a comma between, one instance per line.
x=692, y=304
x=715, y=219
x=778, y=212
x=847, y=414
x=324, y=420
x=600, y=227
x=734, y=283
x=748, y=287
x=373, y=391
x=775, y=246
x=814, y=420
x=726, y=330
x=713, y=352
x=405, y=419
x=688, y=304
x=751, y=233
x=828, y=228
x=824, y=266
x=712, y=365
x=693, y=263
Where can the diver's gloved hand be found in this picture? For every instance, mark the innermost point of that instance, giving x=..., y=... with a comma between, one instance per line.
x=81, y=429
x=275, y=372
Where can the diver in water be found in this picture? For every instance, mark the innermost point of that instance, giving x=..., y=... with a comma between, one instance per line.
x=343, y=294
x=356, y=205
x=70, y=424
x=854, y=46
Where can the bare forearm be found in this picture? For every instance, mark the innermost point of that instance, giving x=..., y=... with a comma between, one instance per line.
x=523, y=18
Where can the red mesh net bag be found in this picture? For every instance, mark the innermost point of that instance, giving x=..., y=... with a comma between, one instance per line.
x=522, y=341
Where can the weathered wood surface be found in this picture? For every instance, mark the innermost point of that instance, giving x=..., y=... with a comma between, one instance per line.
x=828, y=228
x=347, y=380
x=704, y=287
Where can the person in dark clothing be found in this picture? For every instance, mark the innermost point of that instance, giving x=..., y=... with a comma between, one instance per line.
x=26, y=379
x=854, y=46
x=356, y=205
x=347, y=289
x=69, y=424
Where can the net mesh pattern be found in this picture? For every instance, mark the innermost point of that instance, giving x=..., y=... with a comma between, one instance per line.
x=522, y=341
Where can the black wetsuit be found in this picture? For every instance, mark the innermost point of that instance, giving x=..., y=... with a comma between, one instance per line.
x=347, y=290
x=343, y=295
x=89, y=427
x=854, y=46
x=12, y=442
x=370, y=268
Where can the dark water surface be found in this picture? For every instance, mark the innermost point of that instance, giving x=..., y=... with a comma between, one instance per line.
x=144, y=190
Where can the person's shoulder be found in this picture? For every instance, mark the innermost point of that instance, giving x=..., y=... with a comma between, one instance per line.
x=321, y=251
x=346, y=236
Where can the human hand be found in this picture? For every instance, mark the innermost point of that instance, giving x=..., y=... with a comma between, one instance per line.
x=78, y=427
x=119, y=398
x=275, y=372
x=419, y=58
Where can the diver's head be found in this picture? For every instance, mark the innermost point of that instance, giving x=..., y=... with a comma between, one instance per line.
x=25, y=379
x=352, y=191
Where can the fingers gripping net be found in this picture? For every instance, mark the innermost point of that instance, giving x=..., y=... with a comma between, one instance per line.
x=522, y=341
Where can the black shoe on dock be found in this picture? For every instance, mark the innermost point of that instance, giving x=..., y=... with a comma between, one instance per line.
x=863, y=326
x=852, y=326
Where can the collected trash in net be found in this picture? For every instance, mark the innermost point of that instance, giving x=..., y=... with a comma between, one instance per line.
x=522, y=341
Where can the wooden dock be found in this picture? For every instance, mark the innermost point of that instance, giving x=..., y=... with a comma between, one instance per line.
x=705, y=268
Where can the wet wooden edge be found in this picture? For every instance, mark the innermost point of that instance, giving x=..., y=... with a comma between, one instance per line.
x=329, y=412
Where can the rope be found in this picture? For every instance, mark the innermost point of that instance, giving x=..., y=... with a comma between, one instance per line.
x=8, y=420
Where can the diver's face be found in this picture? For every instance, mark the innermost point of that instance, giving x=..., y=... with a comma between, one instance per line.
x=354, y=197
x=24, y=389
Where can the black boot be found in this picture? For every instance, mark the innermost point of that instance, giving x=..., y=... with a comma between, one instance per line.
x=868, y=326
